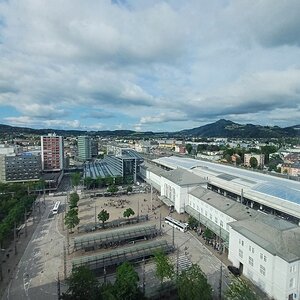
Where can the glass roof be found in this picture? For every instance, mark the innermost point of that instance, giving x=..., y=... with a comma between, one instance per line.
x=279, y=191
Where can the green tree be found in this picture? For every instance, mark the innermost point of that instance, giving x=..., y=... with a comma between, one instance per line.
x=126, y=284
x=208, y=234
x=193, y=223
x=189, y=148
x=109, y=180
x=88, y=182
x=129, y=189
x=253, y=162
x=112, y=189
x=72, y=219
x=164, y=268
x=100, y=182
x=75, y=179
x=192, y=285
x=74, y=199
x=103, y=216
x=239, y=290
x=128, y=212
x=119, y=180
x=82, y=285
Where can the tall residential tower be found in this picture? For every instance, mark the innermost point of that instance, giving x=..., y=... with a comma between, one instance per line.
x=52, y=147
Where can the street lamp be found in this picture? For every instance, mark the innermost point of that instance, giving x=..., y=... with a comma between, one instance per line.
x=1, y=274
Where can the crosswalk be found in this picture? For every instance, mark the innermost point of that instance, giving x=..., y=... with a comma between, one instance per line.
x=183, y=263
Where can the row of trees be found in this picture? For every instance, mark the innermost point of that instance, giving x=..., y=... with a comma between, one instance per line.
x=14, y=201
x=71, y=217
x=99, y=182
x=190, y=284
x=103, y=216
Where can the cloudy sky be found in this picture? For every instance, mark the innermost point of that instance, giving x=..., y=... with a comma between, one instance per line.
x=149, y=65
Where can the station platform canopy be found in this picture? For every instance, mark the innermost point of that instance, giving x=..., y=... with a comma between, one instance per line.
x=115, y=257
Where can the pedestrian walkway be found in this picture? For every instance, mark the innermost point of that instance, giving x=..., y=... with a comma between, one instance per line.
x=224, y=258
x=10, y=260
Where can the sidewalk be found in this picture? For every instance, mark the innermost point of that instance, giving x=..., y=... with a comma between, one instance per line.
x=10, y=260
x=224, y=259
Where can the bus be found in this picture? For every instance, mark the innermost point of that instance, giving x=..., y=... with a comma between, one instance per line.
x=56, y=207
x=176, y=224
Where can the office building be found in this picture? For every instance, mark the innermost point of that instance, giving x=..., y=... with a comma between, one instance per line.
x=84, y=148
x=20, y=168
x=52, y=147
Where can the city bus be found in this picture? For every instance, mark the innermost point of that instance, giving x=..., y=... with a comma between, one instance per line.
x=56, y=207
x=176, y=224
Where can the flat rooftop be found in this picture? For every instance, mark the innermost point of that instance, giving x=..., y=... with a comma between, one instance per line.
x=229, y=207
x=279, y=193
x=273, y=234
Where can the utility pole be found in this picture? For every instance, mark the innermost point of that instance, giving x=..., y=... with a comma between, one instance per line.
x=25, y=221
x=58, y=286
x=68, y=240
x=160, y=221
x=15, y=239
x=151, y=198
x=104, y=274
x=65, y=262
x=138, y=214
x=96, y=217
x=177, y=262
x=144, y=276
x=221, y=270
x=173, y=236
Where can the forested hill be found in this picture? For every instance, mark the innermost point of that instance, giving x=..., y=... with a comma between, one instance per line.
x=221, y=128
x=226, y=128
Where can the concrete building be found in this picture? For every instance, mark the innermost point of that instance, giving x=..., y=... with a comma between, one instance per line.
x=52, y=147
x=263, y=243
x=292, y=169
x=84, y=148
x=175, y=186
x=20, y=168
x=259, y=157
x=126, y=164
x=266, y=249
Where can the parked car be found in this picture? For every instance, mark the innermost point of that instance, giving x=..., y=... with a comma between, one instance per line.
x=235, y=271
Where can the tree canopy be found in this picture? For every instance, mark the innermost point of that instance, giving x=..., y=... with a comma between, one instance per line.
x=164, y=268
x=72, y=219
x=189, y=148
x=192, y=285
x=74, y=199
x=82, y=284
x=126, y=284
x=75, y=179
x=193, y=223
x=103, y=216
x=239, y=290
x=128, y=212
x=253, y=162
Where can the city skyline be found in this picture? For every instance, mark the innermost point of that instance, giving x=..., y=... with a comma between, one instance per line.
x=148, y=65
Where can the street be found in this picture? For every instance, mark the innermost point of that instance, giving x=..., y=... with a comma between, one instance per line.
x=36, y=275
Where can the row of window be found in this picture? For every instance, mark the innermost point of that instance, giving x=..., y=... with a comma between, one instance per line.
x=252, y=250
x=221, y=224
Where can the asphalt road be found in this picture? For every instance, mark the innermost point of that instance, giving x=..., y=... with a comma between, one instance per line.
x=197, y=253
x=36, y=275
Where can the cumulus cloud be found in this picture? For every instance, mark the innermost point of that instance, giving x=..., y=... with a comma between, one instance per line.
x=149, y=64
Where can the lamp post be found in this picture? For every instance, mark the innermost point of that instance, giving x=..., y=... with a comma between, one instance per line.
x=1, y=273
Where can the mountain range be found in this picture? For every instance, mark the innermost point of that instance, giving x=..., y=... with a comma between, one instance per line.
x=221, y=128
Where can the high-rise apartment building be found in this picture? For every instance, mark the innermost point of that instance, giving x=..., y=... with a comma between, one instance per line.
x=84, y=148
x=52, y=147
